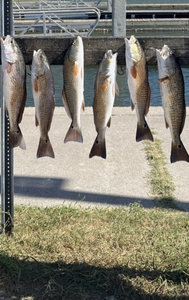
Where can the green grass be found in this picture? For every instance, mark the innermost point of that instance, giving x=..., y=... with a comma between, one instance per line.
x=161, y=182
x=69, y=253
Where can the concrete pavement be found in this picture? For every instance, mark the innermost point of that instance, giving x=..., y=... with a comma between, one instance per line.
x=74, y=179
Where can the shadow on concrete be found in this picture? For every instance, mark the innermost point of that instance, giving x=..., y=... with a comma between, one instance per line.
x=55, y=189
x=59, y=280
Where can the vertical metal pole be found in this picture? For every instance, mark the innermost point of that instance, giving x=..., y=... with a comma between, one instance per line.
x=118, y=18
x=7, y=180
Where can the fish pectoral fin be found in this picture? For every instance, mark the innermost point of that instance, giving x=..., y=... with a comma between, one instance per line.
x=109, y=122
x=148, y=100
x=65, y=103
x=9, y=68
x=105, y=85
x=163, y=79
x=133, y=71
x=36, y=85
x=76, y=69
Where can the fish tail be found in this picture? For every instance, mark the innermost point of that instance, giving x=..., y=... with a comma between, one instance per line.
x=16, y=139
x=178, y=153
x=45, y=148
x=98, y=149
x=143, y=133
x=74, y=134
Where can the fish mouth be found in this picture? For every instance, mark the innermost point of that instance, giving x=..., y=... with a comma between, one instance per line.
x=165, y=52
x=109, y=55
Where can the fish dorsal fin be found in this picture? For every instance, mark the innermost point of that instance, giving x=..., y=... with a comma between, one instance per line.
x=183, y=120
x=133, y=71
x=36, y=121
x=65, y=103
x=116, y=88
x=52, y=109
x=163, y=79
x=148, y=100
x=109, y=122
x=83, y=105
x=166, y=124
x=132, y=105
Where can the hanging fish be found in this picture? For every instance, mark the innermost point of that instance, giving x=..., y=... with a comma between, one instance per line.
x=173, y=100
x=104, y=95
x=44, y=99
x=73, y=88
x=140, y=92
x=14, y=88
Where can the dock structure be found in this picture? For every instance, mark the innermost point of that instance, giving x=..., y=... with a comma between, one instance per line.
x=95, y=47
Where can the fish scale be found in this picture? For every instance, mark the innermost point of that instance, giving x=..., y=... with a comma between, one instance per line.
x=173, y=100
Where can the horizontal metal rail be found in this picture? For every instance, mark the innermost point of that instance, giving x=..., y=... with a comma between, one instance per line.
x=55, y=21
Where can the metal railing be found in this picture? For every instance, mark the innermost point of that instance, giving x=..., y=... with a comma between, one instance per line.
x=27, y=4
x=49, y=22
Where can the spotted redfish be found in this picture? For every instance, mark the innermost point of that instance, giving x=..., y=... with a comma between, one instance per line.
x=44, y=99
x=173, y=100
x=104, y=96
x=140, y=92
x=14, y=88
x=73, y=88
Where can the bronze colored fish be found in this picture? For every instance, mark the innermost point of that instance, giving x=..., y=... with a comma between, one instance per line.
x=14, y=88
x=73, y=87
x=140, y=92
x=44, y=99
x=173, y=100
x=105, y=89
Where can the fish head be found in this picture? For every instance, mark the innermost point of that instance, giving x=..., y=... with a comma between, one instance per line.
x=166, y=61
x=76, y=49
x=109, y=63
x=40, y=62
x=133, y=49
x=10, y=50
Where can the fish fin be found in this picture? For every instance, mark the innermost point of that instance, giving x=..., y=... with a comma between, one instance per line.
x=98, y=149
x=105, y=85
x=83, y=105
x=183, y=120
x=45, y=148
x=50, y=118
x=65, y=103
x=143, y=133
x=9, y=68
x=133, y=72
x=148, y=100
x=16, y=139
x=132, y=105
x=163, y=79
x=36, y=85
x=109, y=122
x=74, y=134
x=76, y=69
x=116, y=89
x=36, y=121
x=166, y=124
x=178, y=153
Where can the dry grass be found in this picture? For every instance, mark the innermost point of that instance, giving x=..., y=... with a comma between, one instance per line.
x=67, y=253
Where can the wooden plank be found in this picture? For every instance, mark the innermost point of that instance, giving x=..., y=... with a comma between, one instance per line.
x=95, y=47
